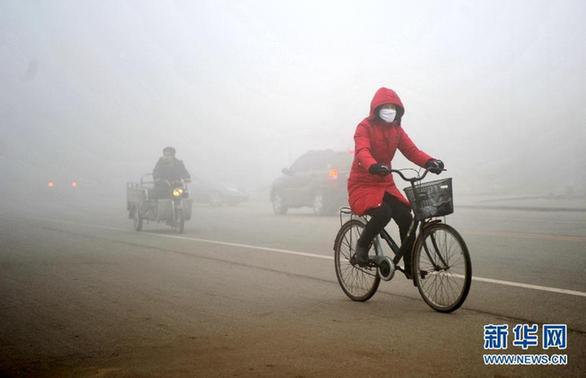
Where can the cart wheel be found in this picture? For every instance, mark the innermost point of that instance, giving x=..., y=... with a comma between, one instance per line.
x=279, y=205
x=137, y=219
x=180, y=222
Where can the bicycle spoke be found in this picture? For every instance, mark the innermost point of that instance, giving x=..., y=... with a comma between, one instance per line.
x=359, y=283
x=441, y=254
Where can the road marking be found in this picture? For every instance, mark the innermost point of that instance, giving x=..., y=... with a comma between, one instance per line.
x=314, y=255
x=217, y=242
x=248, y=246
x=529, y=286
x=526, y=235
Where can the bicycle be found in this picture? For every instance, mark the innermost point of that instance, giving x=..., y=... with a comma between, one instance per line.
x=441, y=267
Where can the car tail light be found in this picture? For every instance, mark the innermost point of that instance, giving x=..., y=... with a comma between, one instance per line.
x=50, y=184
x=74, y=184
x=333, y=174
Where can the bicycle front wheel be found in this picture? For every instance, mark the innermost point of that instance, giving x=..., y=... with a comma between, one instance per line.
x=359, y=283
x=441, y=268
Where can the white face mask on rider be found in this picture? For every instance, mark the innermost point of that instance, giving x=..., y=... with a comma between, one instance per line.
x=387, y=114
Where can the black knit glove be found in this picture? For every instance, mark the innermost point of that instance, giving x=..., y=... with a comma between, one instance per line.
x=379, y=169
x=434, y=166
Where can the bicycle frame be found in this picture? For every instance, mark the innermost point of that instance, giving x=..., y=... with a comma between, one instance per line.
x=387, y=237
x=438, y=263
x=442, y=270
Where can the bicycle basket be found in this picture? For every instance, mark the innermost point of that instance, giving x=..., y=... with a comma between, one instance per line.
x=431, y=199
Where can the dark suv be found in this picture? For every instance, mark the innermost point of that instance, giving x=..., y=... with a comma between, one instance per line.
x=316, y=179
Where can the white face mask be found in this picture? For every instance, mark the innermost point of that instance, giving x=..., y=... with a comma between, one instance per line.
x=387, y=114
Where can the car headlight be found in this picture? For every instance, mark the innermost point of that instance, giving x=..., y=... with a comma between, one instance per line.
x=177, y=192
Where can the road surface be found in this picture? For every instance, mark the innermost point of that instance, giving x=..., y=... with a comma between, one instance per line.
x=246, y=293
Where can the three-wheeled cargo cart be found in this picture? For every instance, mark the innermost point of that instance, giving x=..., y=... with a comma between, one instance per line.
x=161, y=201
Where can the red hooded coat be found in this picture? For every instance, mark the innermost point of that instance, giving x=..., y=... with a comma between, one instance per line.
x=377, y=141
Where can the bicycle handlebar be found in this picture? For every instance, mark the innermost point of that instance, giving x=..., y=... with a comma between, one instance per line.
x=409, y=179
x=412, y=179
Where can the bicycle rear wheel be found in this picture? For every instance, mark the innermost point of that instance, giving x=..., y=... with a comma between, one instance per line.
x=441, y=268
x=359, y=283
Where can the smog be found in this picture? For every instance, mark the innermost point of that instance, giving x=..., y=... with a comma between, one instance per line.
x=92, y=92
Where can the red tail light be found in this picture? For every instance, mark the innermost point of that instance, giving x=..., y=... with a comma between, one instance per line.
x=74, y=184
x=333, y=174
x=50, y=184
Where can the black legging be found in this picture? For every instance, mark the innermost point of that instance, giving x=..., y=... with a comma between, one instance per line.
x=393, y=208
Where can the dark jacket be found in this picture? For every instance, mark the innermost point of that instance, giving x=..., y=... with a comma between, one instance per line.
x=170, y=169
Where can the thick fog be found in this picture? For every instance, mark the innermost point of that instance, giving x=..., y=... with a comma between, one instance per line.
x=93, y=90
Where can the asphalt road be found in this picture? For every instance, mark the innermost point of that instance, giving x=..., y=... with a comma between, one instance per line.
x=247, y=293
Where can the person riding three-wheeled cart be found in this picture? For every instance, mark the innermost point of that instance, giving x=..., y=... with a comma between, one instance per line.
x=164, y=198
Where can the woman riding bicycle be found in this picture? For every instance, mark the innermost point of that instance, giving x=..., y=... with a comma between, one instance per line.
x=371, y=188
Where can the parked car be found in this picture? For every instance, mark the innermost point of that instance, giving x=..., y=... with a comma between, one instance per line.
x=317, y=179
x=215, y=193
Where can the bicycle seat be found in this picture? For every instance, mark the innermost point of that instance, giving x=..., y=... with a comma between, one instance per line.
x=345, y=210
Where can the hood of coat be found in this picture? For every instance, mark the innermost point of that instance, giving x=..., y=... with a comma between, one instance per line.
x=385, y=96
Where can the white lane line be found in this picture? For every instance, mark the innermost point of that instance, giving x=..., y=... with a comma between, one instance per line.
x=526, y=286
x=248, y=246
x=529, y=286
x=527, y=235
x=317, y=256
x=217, y=242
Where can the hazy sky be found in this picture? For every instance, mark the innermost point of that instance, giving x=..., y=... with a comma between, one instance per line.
x=241, y=88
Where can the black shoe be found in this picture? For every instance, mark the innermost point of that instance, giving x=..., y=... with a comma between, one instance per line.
x=361, y=255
